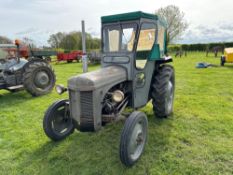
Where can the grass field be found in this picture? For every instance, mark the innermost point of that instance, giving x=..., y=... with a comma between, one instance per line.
x=197, y=139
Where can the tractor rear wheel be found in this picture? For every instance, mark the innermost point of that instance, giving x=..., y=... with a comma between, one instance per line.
x=57, y=123
x=39, y=78
x=162, y=91
x=222, y=61
x=133, y=138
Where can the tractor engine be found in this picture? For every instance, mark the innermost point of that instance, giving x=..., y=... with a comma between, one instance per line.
x=11, y=71
x=114, y=99
x=91, y=95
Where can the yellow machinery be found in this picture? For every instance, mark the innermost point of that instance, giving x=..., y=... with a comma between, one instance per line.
x=227, y=57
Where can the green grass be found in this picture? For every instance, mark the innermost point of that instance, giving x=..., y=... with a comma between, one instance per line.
x=198, y=139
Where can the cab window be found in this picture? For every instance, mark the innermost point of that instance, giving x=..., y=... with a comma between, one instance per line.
x=161, y=37
x=119, y=38
x=146, y=41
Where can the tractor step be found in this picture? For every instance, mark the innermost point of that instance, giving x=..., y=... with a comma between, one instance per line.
x=15, y=87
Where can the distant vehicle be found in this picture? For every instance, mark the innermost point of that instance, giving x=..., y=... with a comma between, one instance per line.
x=94, y=57
x=227, y=57
x=12, y=50
x=70, y=57
x=26, y=51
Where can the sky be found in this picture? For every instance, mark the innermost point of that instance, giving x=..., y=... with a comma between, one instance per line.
x=209, y=20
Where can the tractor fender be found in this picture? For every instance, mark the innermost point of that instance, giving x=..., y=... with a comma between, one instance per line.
x=15, y=65
x=32, y=60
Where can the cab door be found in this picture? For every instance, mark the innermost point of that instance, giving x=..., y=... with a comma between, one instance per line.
x=144, y=68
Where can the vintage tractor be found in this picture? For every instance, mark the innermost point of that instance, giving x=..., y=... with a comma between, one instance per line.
x=35, y=75
x=227, y=57
x=133, y=73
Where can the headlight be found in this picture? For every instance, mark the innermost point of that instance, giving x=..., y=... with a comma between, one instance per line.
x=118, y=96
x=60, y=89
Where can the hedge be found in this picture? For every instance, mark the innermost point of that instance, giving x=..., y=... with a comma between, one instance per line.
x=198, y=47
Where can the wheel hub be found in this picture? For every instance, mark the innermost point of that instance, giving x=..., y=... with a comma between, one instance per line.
x=137, y=141
x=42, y=79
x=61, y=123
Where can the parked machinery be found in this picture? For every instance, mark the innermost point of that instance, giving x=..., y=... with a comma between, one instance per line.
x=133, y=73
x=227, y=57
x=35, y=75
x=70, y=57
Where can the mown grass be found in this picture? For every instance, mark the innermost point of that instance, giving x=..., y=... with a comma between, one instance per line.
x=197, y=139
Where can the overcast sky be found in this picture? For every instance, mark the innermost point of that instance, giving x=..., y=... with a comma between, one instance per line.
x=209, y=20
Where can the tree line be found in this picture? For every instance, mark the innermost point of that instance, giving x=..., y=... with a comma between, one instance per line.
x=73, y=41
x=199, y=47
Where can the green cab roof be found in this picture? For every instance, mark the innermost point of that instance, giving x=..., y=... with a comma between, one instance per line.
x=128, y=16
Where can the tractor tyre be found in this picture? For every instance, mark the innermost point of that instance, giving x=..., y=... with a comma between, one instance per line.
x=162, y=91
x=133, y=138
x=222, y=61
x=39, y=78
x=57, y=123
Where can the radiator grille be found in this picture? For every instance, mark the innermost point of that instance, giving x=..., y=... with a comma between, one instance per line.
x=86, y=101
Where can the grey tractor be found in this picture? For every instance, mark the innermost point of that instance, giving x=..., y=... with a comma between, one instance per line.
x=34, y=75
x=134, y=71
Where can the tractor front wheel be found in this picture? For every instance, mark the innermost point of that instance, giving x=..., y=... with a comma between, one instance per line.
x=39, y=78
x=162, y=91
x=57, y=122
x=133, y=138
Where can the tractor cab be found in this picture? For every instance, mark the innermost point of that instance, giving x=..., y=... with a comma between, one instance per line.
x=134, y=41
x=138, y=37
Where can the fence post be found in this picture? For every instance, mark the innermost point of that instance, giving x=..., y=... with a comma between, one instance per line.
x=84, y=56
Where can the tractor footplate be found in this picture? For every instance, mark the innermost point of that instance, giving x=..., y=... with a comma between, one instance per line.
x=15, y=87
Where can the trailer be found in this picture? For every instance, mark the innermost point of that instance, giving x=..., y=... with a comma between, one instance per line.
x=46, y=55
x=27, y=52
x=70, y=57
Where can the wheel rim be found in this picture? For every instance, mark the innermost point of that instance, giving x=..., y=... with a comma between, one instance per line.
x=41, y=79
x=137, y=140
x=61, y=121
x=170, y=96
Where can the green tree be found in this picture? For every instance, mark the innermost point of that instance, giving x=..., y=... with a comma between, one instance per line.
x=73, y=41
x=55, y=39
x=175, y=20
